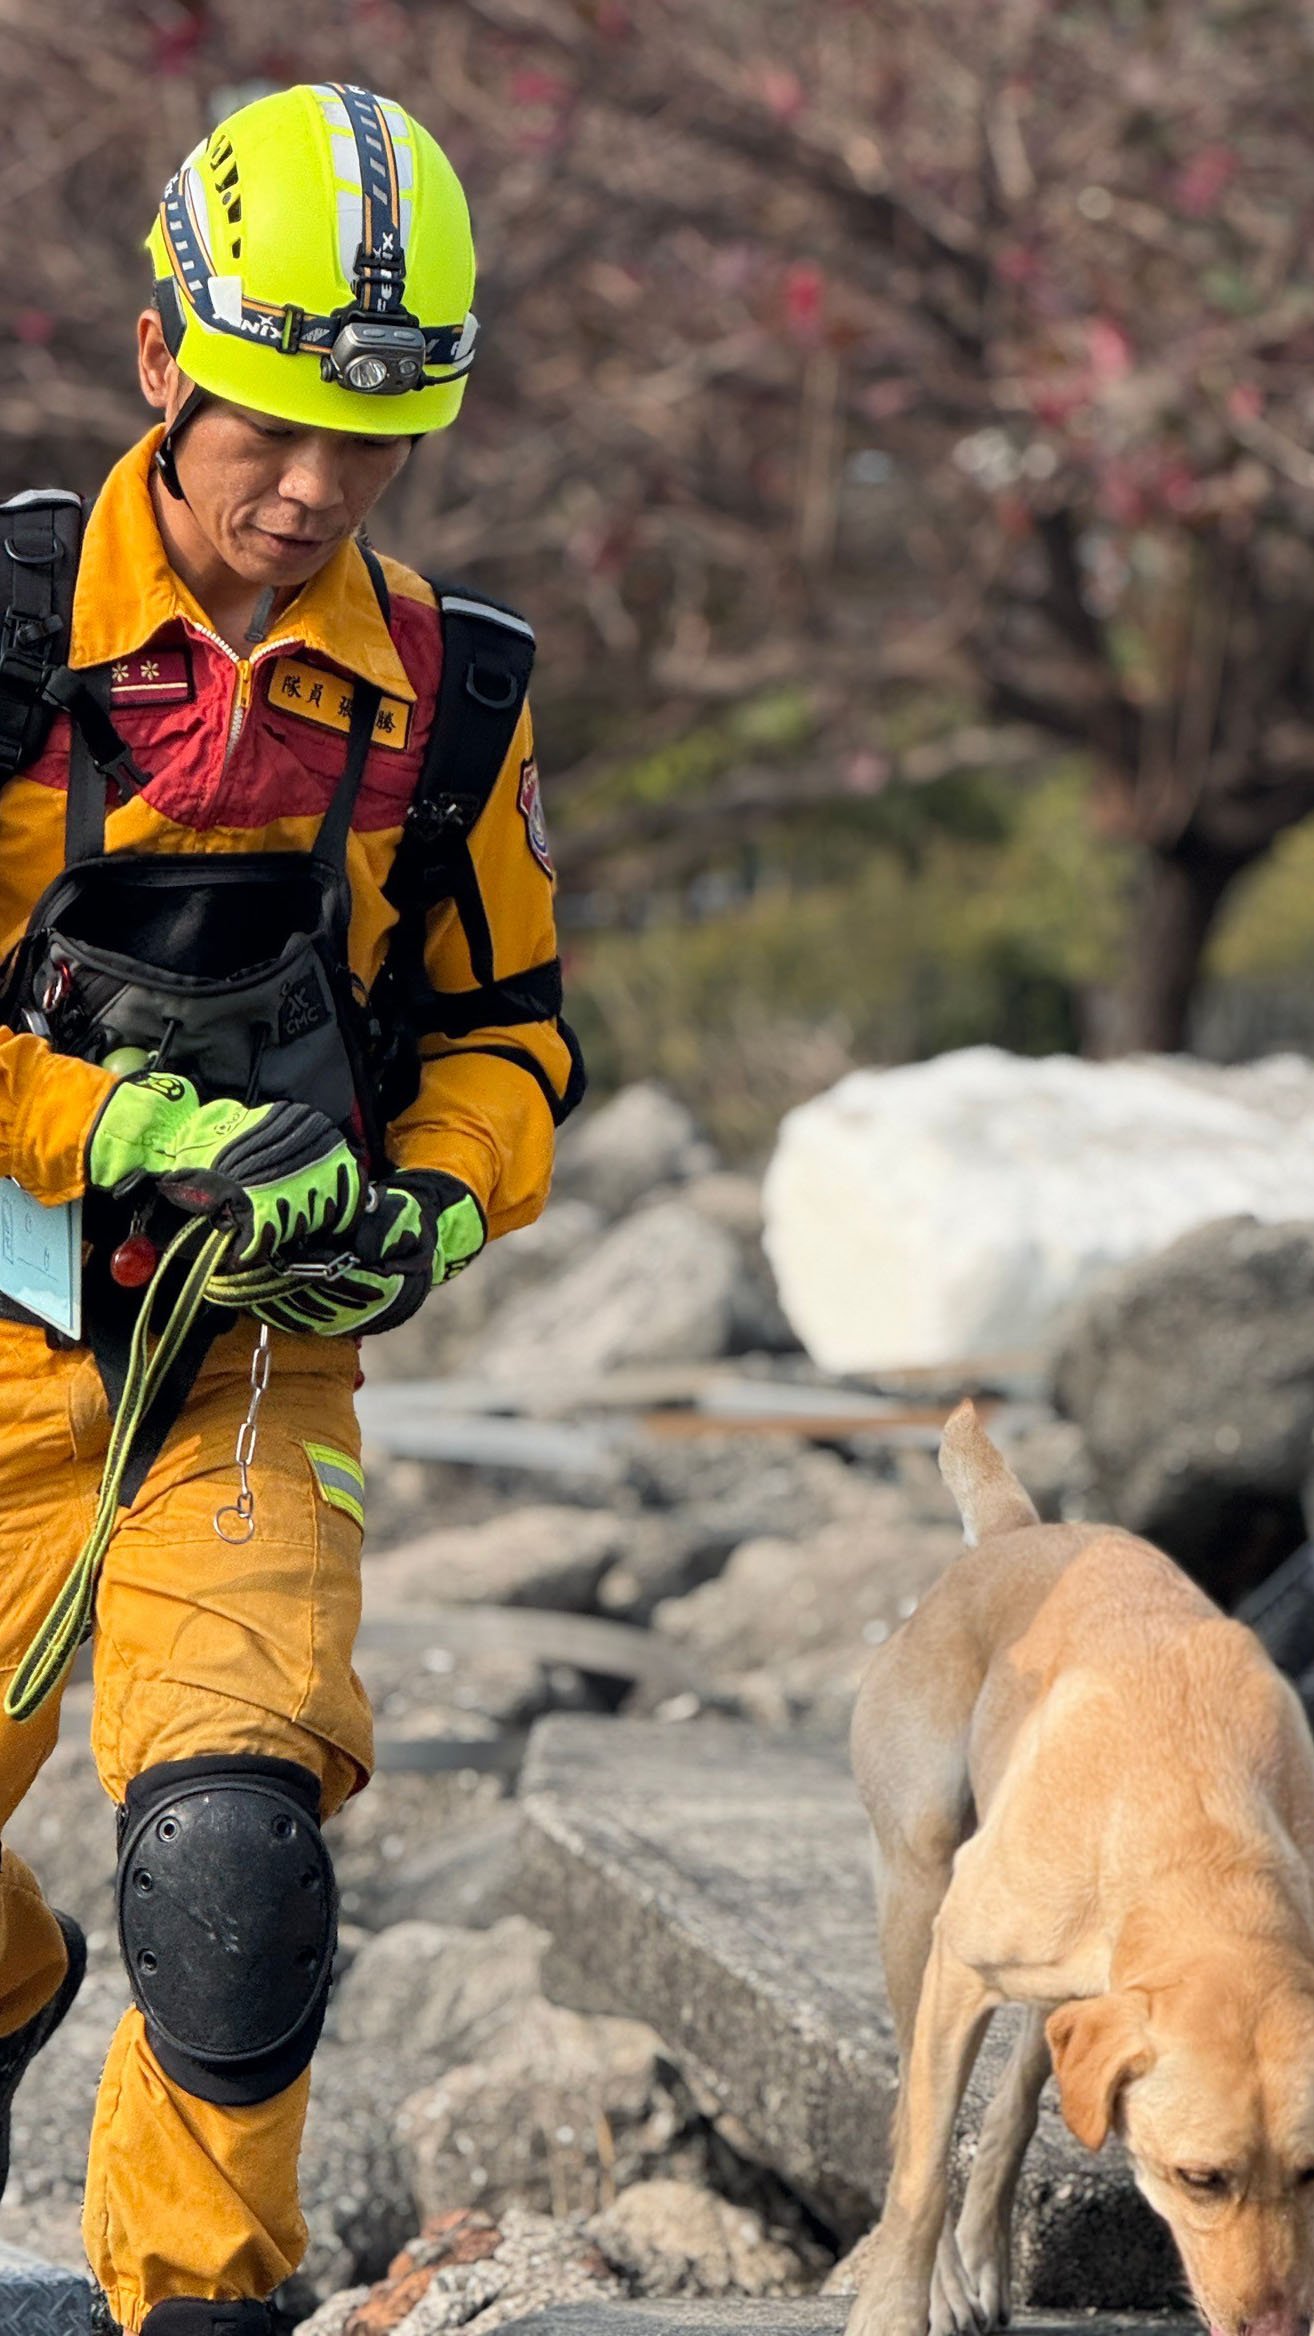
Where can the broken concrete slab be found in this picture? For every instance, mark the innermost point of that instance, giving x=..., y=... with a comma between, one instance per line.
x=813, y=2316
x=41, y=2299
x=715, y=1883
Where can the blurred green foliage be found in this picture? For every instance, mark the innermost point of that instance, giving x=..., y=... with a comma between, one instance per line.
x=975, y=911
x=1268, y=931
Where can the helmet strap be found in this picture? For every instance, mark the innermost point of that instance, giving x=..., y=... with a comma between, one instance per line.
x=166, y=452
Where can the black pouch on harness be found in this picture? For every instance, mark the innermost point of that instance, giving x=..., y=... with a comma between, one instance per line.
x=229, y=968
x=238, y=1021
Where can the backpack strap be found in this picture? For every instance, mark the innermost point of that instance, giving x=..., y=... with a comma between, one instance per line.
x=40, y=545
x=488, y=655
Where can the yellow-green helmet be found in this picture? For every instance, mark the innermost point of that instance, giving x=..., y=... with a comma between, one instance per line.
x=313, y=260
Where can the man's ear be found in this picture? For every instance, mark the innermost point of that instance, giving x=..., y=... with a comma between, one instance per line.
x=156, y=370
x=1097, y=2046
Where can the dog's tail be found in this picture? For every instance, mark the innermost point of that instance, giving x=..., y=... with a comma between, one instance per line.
x=988, y=1494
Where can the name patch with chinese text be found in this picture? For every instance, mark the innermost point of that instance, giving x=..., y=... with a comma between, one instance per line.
x=317, y=696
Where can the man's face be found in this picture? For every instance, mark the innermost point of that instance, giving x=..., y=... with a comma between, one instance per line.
x=271, y=499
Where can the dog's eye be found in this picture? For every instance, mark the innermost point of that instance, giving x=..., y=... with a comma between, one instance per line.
x=1209, y=2181
x=1305, y=2178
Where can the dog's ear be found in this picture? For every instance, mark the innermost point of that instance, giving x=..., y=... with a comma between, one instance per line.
x=1097, y=2045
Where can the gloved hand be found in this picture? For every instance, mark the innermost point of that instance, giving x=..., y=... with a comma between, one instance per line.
x=413, y=1232
x=278, y=1172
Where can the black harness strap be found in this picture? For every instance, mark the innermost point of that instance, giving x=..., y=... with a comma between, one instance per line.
x=488, y=655
x=98, y=760
x=534, y=996
x=335, y=827
x=40, y=539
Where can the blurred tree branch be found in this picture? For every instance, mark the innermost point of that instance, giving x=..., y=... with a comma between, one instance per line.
x=852, y=350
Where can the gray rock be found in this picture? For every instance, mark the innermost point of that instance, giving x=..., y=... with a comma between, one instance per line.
x=467, y=2272
x=445, y=1330
x=676, y=2238
x=354, y=2190
x=462, y=1876
x=614, y=1156
x=52, y=2120
x=734, y=1202
x=665, y=1556
x=41, y=2299
x=554, y=2113
x=391, y=1844
x=538, y=1555
x=435, y=1995
x=659, y=1287
x=717, y=1887
x=801, y=1616
x=728, y=1488
x=1191, y=1377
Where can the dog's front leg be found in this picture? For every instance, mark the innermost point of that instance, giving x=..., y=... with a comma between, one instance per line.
x=952, y=2015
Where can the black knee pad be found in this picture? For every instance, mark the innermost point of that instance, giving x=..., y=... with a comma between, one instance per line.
x=227, y=1921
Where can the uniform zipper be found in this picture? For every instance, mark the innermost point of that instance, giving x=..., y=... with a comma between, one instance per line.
x=244, y=668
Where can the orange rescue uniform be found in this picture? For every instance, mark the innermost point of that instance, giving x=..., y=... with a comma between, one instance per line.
x=202, y=1647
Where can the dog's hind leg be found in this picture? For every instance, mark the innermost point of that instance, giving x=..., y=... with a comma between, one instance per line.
x=910, y=1744
x=977, y=2260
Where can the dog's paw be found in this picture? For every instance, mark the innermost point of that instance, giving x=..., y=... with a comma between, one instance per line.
x=970, y=2288
x=878, y=2313
x=957, y=2308
x=983, y=2251
x=892, y=2293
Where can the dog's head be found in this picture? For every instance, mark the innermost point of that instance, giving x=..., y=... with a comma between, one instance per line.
x=1211, y=2087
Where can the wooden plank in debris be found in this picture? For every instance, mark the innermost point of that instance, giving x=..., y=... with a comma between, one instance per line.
x=544, y=1394
x=498, y=1755
x=407, y=1432
x=613, y=1650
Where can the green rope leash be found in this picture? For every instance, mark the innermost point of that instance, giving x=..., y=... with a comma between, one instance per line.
x=203, y=1248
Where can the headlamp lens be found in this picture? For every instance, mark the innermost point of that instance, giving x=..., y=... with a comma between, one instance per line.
x=366, y=372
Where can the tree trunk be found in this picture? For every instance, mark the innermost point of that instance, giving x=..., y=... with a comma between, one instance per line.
x=1182, y=892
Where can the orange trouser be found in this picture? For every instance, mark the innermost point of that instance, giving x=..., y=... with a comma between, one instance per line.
x=201, y=1647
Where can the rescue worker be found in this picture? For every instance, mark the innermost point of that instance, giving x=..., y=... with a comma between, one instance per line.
x=270, y=688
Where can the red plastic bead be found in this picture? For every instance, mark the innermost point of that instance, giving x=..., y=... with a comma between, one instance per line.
x=134, y=1261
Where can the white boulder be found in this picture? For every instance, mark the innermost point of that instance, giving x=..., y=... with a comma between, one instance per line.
x=948, y=1212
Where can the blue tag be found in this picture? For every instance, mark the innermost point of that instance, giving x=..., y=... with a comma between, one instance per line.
x=41, y=1256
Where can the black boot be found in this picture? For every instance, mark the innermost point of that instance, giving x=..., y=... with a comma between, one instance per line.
x=188, y=2315
x=18, y=2051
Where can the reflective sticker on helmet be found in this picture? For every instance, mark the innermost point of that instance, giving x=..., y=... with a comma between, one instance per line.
x=340, y=1479
x=316, y=695
x=530, y=801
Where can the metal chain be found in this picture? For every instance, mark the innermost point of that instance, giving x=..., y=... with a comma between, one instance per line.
x=242, y=1510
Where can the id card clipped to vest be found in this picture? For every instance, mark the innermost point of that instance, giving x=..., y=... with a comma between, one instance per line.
x=41, y=1257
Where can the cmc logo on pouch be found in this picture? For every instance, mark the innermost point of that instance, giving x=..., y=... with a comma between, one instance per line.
x=302, y=1008
x=167, y=1084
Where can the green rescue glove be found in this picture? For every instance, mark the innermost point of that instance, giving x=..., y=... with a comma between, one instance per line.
x=412, y=1233
x=277, y=1173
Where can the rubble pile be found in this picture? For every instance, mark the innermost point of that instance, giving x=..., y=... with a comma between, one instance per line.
x=607, y=2045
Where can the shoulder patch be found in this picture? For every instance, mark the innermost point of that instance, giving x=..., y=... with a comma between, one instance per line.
x=154, y=677
x=530, y=800
x=315, y=695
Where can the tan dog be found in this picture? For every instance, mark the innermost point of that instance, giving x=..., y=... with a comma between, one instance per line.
x=1093, y=1795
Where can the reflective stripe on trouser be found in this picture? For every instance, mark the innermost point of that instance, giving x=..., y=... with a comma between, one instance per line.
x=201, y=1647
